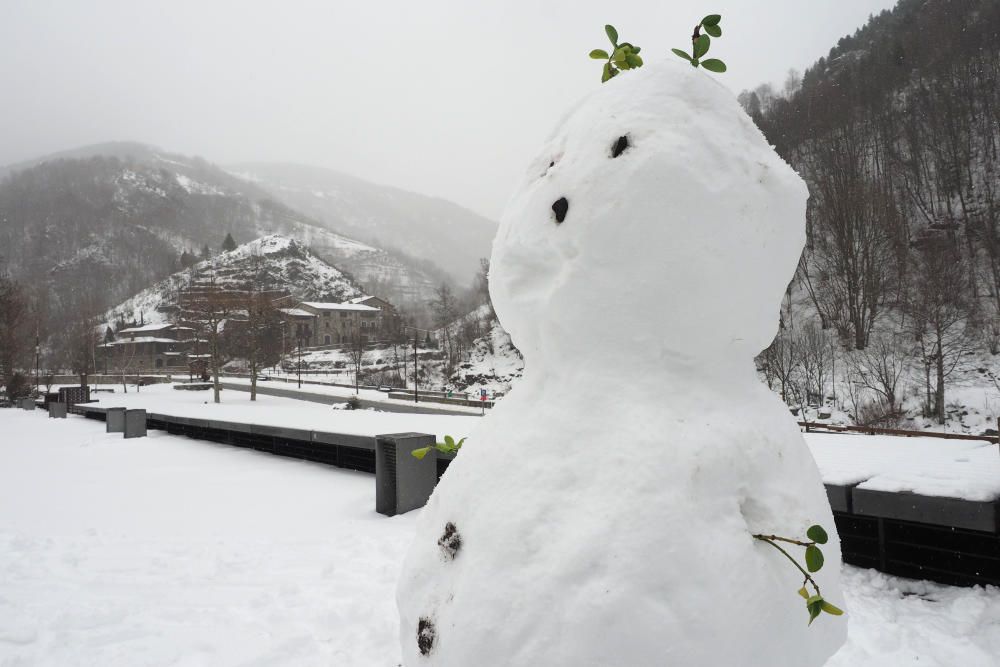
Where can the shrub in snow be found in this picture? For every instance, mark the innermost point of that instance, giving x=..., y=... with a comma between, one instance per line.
x=608, y=506
x=18, y=386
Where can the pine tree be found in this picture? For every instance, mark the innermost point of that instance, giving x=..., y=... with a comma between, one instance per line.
x=205, y=252
x=229, y=244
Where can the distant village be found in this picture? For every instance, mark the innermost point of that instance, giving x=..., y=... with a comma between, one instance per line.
x=206, y=319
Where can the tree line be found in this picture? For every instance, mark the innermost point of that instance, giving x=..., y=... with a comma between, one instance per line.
x=896, y=133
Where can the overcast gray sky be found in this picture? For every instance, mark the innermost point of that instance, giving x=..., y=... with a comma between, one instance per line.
x=444, y=97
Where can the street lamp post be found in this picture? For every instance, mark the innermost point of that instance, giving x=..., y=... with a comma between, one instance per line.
x=300, y=363
x=416, y=367
x=37, y=350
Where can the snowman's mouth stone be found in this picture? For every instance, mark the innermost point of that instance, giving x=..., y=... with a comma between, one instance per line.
x=560, y=207
x=621, y=145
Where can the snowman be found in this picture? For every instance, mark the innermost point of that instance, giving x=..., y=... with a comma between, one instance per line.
x=603, y=514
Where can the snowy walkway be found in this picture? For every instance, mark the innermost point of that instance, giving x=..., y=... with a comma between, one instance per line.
x=928, y=466
x=276, y=411
x=169, y=551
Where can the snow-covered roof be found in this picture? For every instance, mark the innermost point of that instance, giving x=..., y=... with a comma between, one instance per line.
x=361, y=299
x=141, y=339
x=296, y=312
x=162, y=326
x=318, y=305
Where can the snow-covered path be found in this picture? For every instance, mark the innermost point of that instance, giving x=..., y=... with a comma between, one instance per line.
x=169, y=551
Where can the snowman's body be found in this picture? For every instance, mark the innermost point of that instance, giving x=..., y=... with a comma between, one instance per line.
x=603, y=513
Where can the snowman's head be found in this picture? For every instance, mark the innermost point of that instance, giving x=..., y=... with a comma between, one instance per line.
x=656, y=227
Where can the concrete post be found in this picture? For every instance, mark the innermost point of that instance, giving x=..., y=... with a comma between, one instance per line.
x=135, y=423
x=57, y=410
x=114, y=420
x=403, y=483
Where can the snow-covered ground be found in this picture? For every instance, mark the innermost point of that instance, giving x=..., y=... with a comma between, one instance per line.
x=169, y=551
x=929, y=466
x=290, y=413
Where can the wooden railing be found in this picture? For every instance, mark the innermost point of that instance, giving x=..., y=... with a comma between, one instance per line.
x=875, y=430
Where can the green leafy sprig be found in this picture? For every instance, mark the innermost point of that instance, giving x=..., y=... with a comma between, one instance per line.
x=623, y=56
x=449, y=446
x=815, y=604
x=700, y=44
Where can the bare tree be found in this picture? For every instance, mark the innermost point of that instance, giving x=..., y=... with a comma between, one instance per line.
x=879, y=367
x=13, y=320
x=857, y=229
x=208, y=306
x=356, y=353
x=817, y=361
x=781, y=361
x=942, y=315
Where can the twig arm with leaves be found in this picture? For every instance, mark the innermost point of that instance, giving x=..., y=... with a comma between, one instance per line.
x=449, y=446
x=815, y=604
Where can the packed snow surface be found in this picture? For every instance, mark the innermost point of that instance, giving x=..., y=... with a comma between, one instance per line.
x=169, y=551
x=627, y=539
x=968, y=469
x=286, y=412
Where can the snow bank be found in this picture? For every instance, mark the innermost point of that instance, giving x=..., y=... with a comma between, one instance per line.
x=599, y=530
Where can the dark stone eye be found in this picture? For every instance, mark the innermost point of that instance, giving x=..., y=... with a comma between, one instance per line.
x=560, y=207
x=425, y=635
x=620, y=146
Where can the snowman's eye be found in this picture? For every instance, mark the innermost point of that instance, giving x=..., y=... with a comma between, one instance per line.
x=620, y=146
x=560, y=208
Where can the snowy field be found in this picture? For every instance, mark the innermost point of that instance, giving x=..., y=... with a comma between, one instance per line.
x=169, y=551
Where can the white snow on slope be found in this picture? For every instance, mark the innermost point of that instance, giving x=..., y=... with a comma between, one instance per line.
x=287, y=262
x=169, y=551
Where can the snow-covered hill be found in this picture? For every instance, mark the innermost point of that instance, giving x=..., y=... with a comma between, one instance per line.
x=422, y=227
x=285, y=264
x=94, y=225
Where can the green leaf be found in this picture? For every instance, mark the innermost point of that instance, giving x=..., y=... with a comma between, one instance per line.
x=635, y=60
x=713, y=30
x=607, y=73
x=450, y=441
x=458, y=445
x=817, y=534
x=599, y=54
x=619, y=55
x=830, y=609
x=701, y=45
x=814, y=558
x=804, y=593
x=612, y=34
x=420, y=453
x=714, y=65
x=814, y=611
x=711, y=19
x=682, y=54
x=636, y=49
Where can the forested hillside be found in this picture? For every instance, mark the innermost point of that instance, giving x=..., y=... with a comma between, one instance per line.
x=896, y=132
x=91, y=227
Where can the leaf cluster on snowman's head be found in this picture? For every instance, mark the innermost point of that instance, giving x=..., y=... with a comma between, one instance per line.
x=700, y=43
x=623, y=56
